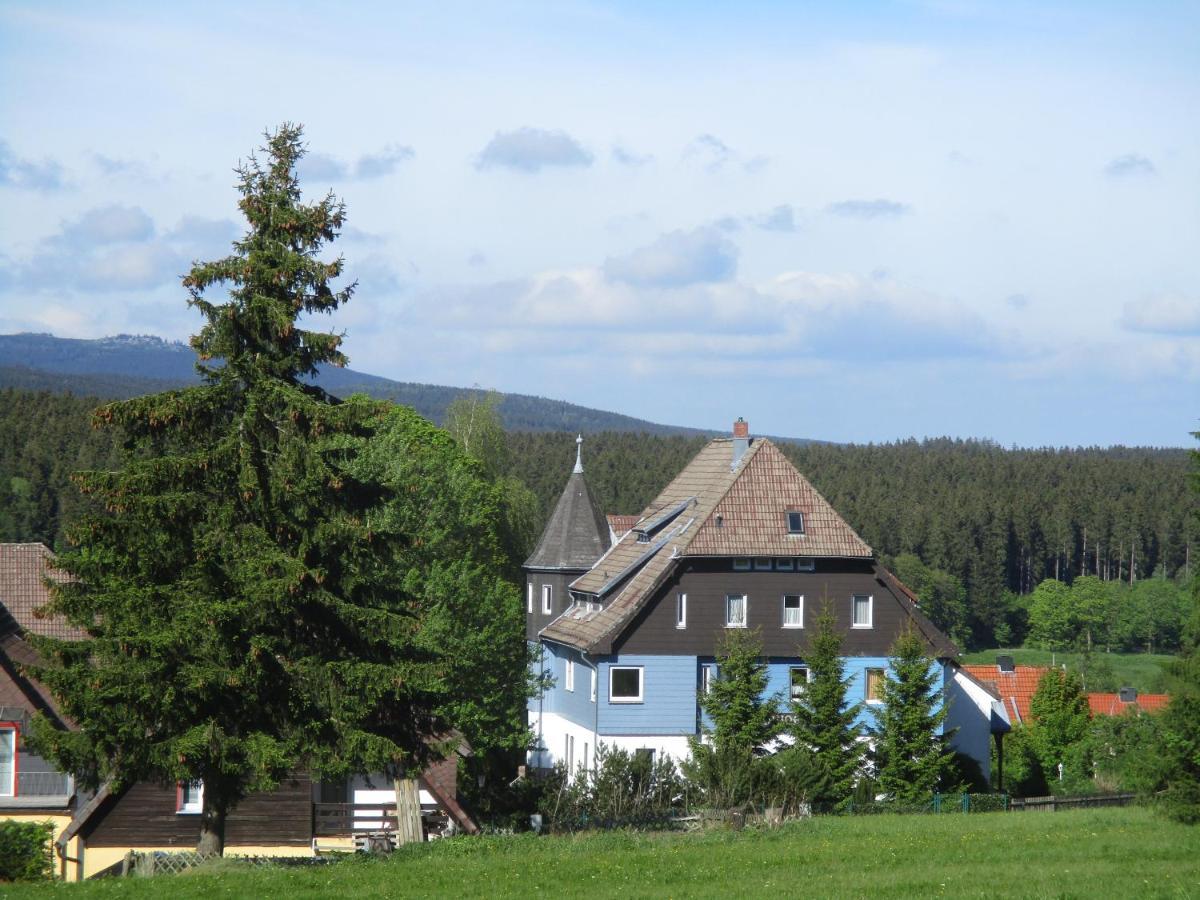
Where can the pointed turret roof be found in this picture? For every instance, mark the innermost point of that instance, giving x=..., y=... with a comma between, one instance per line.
x=577, y=534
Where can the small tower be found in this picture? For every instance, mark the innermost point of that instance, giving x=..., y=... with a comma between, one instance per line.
x=575, y=537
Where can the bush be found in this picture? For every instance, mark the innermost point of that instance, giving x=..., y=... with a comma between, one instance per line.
x=25, y=851
x=620, y=789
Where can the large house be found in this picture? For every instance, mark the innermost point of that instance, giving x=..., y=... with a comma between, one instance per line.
x=627, y=632
x=95, y=831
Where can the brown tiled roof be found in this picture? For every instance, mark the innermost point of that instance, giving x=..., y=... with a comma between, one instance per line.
x=753, y=520
x=24, y=569
x=751, y=500
x=16, y=688
x=1111, y=705
x=1015, y=688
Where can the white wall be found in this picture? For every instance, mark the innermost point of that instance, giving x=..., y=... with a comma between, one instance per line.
x=969, y=710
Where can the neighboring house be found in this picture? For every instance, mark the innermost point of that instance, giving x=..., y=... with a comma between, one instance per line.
x=739, y=539
x=1015, y=684
x=1126, y=700
x=31, y=789
x=95, y=831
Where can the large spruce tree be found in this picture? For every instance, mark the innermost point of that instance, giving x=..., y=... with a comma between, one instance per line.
x=822, y=718
x=238, y=586
x=911, y=754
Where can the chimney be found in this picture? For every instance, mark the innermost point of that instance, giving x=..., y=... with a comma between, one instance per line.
x=1004, y=663
x=741, y=441
x=1128, y=695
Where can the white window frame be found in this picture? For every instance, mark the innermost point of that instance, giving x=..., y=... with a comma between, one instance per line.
x=763, y=564
x=806, y=564
x=745, y=610
x=569, y=675
x=854, y=598
x=569, y=751
x=529, y=597
x=808, y=677
x=784, y=606
x=785, y=564
x=681, y=610
x=594, y=679
x=742, y=564
x=867, y=685
x=10, y=789
x=788, y=518
x=707, y=673
x=547, y=599
x=612, y=670
x=195, y=805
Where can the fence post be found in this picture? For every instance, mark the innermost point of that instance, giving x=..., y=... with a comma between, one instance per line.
x=937, y=802
x=966, y=803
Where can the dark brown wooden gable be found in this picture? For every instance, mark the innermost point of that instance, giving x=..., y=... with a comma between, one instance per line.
x=145, y=816
x=707, y=581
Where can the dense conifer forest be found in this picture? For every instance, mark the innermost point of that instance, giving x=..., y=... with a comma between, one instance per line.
x=985, y=524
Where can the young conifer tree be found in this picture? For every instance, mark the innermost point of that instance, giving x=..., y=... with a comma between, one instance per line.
x=911, y=754
x=823, y=720
x=238, y=587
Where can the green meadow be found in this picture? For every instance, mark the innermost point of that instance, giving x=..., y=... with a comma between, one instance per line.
x=1128, y=852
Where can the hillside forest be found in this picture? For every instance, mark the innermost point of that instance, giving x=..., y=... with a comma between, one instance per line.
x=972, y=527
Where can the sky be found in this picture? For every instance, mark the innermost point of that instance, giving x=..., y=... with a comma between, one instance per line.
x=851, y=222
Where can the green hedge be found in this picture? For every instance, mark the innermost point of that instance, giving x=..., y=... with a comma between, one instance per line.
x=25, y=851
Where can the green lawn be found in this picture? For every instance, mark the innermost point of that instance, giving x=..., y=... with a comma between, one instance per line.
x=1141, y=670
x=1085, y=853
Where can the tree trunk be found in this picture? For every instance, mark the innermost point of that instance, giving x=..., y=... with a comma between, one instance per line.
x=212, y=824
x=408, y=812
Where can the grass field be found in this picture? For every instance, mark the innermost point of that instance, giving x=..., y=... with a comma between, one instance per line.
x=1126, y=852
x=1140, y=670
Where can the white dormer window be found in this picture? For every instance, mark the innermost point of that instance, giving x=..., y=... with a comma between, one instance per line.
x=547, y=599
x=795, y=522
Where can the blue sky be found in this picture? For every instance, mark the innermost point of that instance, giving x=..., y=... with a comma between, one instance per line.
x=855, y=222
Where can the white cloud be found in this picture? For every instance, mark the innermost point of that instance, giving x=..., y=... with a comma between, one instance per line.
x=676, y=259
x=317, y=167
x=1163, y=314
x=1131, y=164
x=869, y=209
x=107, y=225
x=44, y=175
x=531, y=150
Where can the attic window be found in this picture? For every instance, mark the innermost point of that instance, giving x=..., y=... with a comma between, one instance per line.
x=643, y=537
x=795, y=522
x=741, y=565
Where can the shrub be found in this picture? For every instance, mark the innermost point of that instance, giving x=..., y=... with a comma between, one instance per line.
x=25, y=851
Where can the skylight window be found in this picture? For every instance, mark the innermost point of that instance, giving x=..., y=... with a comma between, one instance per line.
x=795, y=522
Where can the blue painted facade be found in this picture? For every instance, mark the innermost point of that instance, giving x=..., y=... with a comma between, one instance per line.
x=668, y=703
x=671, y=688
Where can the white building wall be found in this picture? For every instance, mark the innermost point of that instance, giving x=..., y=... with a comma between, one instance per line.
x=555, y=730
x=969, y=714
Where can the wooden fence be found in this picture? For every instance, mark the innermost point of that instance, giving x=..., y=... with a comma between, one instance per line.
x=1053, y=804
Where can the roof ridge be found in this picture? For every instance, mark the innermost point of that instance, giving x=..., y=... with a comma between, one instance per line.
x=756, y=444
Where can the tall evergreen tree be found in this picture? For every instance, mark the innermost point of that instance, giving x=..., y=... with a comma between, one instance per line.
x=743, y=717
x=822, y=719
x=238, y=592
x=912, y=758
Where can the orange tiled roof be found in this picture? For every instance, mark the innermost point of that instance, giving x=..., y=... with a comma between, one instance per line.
x=24, y=569
x=1111, y=705
x=1015, y=688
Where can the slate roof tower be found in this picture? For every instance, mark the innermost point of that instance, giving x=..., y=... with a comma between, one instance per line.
x=575, y=537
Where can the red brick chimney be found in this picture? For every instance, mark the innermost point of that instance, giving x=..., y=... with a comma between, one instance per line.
x=741, y=441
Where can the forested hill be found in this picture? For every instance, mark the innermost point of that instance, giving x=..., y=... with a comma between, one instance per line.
x=991, y=522
x=132, y=365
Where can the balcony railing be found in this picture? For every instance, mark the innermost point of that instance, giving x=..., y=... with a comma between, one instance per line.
x=330, y=819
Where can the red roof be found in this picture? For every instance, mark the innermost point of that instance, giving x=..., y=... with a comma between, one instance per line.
x=620, y=524
x=1015, y=688
x=1111, y=705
